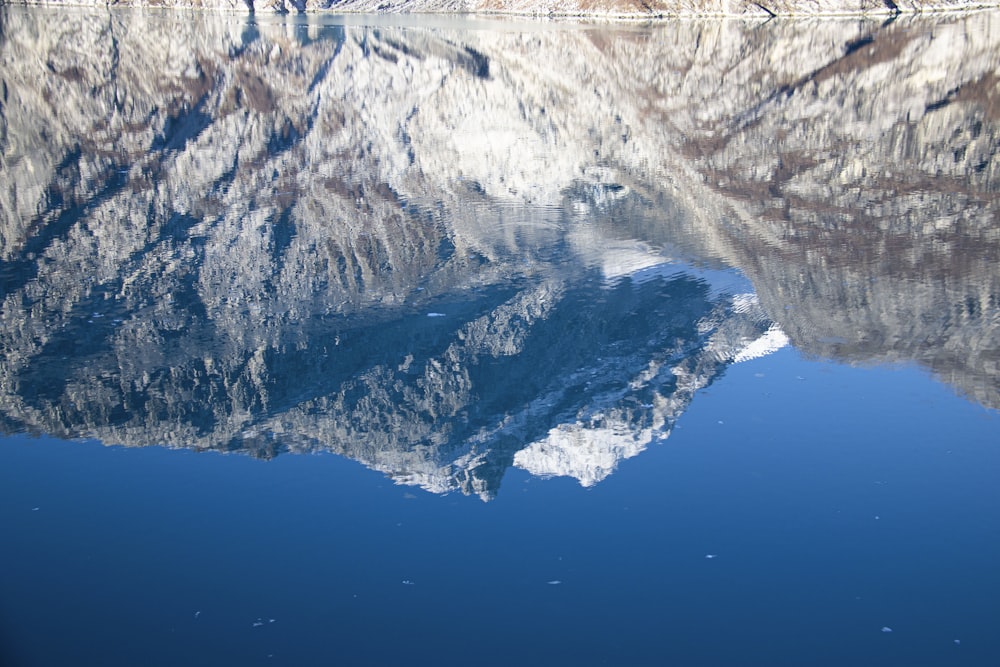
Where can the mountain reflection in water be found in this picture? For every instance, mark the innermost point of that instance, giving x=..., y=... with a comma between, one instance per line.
x=444, y=251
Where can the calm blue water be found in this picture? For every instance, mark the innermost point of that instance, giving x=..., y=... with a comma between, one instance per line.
x=344, y=341
x=836, y=504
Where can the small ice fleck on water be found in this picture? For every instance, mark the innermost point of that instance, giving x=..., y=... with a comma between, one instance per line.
x=711, y=555
x=435, y=314
x=197, y=614
x=886, y=629
x=407, y=582
x=554, y=582
x=958, y=641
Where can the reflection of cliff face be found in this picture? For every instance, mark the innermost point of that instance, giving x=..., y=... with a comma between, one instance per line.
x=445, y=252
x=867, y=198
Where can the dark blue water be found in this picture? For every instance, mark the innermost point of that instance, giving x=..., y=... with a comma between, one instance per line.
x=443, y=342
x=836, y=501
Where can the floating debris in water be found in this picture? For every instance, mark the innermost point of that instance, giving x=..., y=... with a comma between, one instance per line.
x=886, y=629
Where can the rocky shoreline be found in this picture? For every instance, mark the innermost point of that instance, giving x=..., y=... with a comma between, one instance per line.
x=604, y=9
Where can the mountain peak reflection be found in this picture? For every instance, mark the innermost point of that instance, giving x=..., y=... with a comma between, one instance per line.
x=240, y=252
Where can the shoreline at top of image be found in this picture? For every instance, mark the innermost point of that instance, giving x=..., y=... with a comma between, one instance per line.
x=586, y=9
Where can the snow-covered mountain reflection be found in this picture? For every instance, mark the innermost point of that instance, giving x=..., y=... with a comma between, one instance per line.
x=445, y=252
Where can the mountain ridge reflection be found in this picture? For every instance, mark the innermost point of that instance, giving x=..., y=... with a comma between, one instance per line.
x=444, y=252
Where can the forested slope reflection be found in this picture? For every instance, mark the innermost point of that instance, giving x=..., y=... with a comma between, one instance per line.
x=443, y=252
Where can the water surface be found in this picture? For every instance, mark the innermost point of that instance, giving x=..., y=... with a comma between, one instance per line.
x=707, y=313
